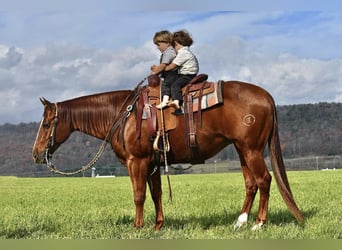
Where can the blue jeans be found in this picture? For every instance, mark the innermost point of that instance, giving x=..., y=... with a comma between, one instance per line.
x=178, y=84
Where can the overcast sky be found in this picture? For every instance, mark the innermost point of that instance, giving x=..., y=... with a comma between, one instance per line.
x=65, y=50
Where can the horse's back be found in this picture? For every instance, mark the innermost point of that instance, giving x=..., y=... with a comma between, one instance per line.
x=247, y=109
x=242, y=92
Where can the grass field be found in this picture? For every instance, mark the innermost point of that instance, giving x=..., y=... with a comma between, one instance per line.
x=204, y=207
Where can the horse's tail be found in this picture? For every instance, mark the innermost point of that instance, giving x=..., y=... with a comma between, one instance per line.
x=279, y=170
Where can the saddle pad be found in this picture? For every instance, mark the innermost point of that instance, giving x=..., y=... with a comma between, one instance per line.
x=210, y=97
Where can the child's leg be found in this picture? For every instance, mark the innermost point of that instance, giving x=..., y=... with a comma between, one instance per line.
x=166, y=90
x=176, y=88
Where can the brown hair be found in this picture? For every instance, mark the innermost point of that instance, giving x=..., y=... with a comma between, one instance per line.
x=163, y=36
x=183, y=37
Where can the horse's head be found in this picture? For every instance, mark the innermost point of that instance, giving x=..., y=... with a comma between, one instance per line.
x=50, y=134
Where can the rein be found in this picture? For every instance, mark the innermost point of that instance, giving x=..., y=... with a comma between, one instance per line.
x=115, y=125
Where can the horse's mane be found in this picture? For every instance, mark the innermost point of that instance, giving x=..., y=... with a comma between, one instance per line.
x=93, y=112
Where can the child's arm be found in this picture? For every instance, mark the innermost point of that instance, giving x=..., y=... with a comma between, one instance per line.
x=171, y=66
x=156, y=69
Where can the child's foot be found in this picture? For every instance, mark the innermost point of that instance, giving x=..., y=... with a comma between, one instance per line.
x=161, y=105
x=174, y=104
x=177, y=112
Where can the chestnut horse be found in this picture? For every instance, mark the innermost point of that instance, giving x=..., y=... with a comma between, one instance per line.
x=247, y=118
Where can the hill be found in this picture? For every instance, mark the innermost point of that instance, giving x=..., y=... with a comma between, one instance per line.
x=305, y=130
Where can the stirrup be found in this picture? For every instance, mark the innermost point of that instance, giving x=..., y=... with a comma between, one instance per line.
x=156, y=142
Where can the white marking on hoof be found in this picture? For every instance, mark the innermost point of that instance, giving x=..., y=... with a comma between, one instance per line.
x=257, y=226
x=242, y=220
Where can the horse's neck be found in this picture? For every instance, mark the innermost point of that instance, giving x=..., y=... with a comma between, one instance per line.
x=95, y=115
x=85, y=124
x=91, y=120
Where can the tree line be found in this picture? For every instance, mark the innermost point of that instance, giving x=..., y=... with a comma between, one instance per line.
x=305, y=130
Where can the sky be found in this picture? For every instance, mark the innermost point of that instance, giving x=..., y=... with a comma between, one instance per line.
x=65, y=49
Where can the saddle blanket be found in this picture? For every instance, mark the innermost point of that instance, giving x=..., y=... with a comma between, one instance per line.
x=208, y=99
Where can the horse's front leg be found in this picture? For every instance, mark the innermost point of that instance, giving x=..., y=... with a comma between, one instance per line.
x=137, y=170
x=154, y=182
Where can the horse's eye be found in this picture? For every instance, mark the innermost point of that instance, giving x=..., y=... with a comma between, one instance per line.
x=46, y=125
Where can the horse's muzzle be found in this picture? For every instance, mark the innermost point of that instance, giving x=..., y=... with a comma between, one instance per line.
x=38, y=157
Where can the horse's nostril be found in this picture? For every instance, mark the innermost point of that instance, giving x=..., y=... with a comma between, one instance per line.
x=35, y=157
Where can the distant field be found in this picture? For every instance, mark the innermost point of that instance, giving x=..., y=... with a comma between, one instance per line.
x=204, y=207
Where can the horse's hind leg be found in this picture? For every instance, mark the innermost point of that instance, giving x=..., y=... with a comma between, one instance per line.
x=257, y=167
x=256, y=176
x=154, y=182
x=251, y=190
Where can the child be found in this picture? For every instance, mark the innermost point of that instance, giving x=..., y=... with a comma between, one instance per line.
x=187, y=65
x=163, y=40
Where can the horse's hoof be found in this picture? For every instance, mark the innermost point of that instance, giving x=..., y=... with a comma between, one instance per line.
x=258, y=226
x=138, y=227
x=237, y=226
x=158, y=226
x=242, y=220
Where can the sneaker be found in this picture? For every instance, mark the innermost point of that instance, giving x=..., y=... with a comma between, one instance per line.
x=177, y=112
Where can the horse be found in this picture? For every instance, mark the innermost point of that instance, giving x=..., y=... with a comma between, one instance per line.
x=247, y=118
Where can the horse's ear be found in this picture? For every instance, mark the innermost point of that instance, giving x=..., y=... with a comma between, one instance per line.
x=44, y=101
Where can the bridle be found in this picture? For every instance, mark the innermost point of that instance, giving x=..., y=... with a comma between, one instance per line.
x=116, y=123
x=51, y=140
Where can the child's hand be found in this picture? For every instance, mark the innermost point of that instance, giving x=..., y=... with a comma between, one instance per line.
x=153, y=68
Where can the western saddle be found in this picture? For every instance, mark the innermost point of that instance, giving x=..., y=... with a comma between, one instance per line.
x=198, y=94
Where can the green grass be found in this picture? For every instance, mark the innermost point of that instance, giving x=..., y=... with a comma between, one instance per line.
x=204, y=207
